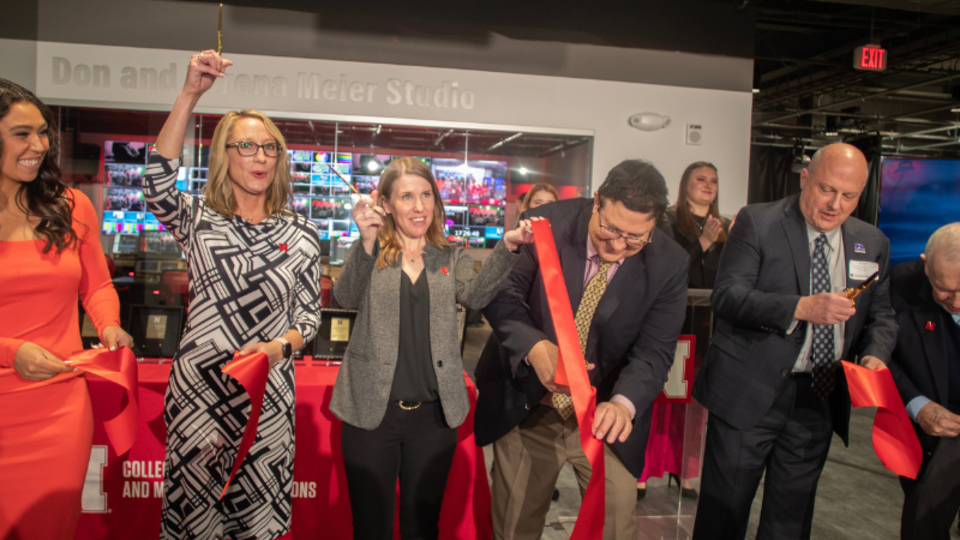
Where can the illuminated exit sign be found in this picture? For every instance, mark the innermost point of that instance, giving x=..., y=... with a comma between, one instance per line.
x=870, y=58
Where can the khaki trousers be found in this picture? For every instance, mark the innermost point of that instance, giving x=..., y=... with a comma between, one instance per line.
x=526, y=464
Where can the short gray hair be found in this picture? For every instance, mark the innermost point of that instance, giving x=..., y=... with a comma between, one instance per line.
x=945, y=241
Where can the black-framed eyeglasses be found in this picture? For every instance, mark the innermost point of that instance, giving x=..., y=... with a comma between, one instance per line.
x=633, y=240
x=248, y=148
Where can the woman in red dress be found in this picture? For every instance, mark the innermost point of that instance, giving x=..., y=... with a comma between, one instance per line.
x=50, y=255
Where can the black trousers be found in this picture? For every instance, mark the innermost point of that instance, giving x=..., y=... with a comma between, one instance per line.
x=415, y=446
x=791, y=443
x=931, y=502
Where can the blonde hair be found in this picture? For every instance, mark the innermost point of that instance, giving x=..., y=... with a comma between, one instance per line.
x=528, y=198
x=218, y=193
x=389, y=243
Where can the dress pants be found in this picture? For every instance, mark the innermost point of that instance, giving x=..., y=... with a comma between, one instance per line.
x=791, y=443
x=414, y=445
x=931, y=502
x=526, y=464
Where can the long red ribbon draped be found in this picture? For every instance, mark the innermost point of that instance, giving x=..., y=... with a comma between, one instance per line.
x=251, y=372
x=119, y=367
x=573, y=374
x=894, y=439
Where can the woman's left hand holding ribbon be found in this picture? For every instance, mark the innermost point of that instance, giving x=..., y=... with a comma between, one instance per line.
x=114, y=337
x=273, y=350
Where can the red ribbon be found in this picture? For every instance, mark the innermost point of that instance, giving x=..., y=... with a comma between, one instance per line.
x=251, y=372
x=894, y=439
x=573, y=374
x=118, y=367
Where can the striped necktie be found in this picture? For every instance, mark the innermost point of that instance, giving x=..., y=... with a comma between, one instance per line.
x=588, y=305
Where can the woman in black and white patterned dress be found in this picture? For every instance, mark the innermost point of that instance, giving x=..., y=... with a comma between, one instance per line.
x=254, y=286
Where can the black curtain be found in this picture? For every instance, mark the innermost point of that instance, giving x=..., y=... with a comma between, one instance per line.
x=869, y=208
x=772, y=177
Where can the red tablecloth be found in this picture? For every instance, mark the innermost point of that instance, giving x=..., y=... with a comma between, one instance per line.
x=122, y=497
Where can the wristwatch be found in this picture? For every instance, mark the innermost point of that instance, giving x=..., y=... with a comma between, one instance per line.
x=287, y=348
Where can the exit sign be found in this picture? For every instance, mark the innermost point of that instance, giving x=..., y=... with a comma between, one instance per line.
x=870, y=58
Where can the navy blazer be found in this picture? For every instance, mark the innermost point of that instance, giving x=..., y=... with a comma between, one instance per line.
x=919, y=364
x=632, y=340
x=764, y=271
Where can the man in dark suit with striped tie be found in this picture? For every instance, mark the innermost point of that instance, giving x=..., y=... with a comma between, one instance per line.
x=627, y=284
x=772, y=379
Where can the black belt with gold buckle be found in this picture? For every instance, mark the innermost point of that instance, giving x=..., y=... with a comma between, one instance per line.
x=409, y=405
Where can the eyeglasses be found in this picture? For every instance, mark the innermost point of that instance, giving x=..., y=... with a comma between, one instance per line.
x=632, y=240
x=247, y=148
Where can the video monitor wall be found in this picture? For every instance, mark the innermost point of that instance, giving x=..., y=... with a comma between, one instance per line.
x=917, y=197
x=474, y=193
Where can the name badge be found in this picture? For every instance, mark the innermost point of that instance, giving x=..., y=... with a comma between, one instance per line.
x=861, y=270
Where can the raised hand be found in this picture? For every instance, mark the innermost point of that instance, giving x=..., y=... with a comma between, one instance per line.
x=523, y=234
x=204, y=70
x=368, y=217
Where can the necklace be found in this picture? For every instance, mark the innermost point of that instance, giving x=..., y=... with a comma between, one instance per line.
x=250, y=219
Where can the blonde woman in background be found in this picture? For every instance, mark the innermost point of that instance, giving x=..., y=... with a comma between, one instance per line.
x=539, y=194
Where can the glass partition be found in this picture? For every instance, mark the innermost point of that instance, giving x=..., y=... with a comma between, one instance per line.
x=482, y=173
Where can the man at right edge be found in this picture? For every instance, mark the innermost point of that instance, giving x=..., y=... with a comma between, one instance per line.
x=772, y=379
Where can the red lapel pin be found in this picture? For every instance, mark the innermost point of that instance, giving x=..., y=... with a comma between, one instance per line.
x=444, y=271
x=283, y=247
x=930, y=325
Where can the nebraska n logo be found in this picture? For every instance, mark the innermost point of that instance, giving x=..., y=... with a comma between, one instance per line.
x=94, y=497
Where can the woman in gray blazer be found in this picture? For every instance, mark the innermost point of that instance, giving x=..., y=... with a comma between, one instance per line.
x=400, y=391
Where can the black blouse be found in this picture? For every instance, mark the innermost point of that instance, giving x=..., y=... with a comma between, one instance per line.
x=703, y=264
x=414, y=379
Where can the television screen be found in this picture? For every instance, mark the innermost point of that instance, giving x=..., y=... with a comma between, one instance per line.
x=917, y=197
x=125, y=152
x=158, y=245
x=474, y=193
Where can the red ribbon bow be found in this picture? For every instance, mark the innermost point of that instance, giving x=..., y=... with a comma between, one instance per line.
x=573, y=374
x=931, y=325
x=894, y=439
x=251, y=372
x=120, y=368
x=444, y=271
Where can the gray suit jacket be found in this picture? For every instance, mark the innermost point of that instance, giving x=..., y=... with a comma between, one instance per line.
x=764, y=270
x=365, y=379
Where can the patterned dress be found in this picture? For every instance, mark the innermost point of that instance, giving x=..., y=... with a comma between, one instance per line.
x=248, y=283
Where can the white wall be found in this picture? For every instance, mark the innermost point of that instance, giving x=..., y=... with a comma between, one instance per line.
x=508, y=101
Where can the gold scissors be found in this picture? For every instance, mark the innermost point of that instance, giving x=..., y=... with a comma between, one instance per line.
x=855, y=292
x=345, y=181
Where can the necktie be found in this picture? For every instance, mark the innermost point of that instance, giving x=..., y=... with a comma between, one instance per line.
x=822, y=351
x=588, y=305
